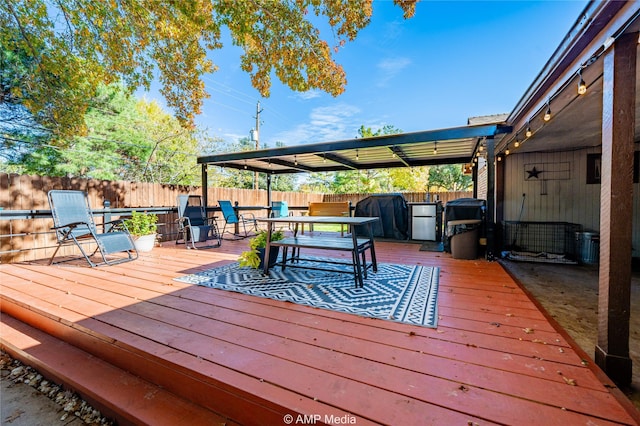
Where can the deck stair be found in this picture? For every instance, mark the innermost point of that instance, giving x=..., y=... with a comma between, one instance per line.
x=119, y=395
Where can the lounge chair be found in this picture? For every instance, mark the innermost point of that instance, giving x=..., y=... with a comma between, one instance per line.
x=74, y=225
x=234, y=219
x=193, y=223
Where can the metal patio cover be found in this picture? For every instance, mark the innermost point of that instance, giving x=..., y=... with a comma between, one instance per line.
x=456, y=145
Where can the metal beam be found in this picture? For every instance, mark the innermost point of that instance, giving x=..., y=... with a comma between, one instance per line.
x=400, y=154
x=340, y=159
x=464, y=132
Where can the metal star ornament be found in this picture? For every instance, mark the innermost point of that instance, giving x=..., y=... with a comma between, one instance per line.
x=533, y=173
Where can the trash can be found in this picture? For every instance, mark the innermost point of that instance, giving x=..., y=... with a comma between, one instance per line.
x=459, y=210
x=464, y=238
x=588, y=247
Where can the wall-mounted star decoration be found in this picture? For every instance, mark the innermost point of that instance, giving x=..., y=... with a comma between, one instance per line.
x=533, y=173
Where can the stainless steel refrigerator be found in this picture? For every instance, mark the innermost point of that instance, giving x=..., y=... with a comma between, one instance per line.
x=424, y=221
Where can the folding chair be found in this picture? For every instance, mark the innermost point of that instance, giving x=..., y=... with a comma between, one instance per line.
x=74, y=225
x=234, y=219
x=280, y=209
x=193, y=223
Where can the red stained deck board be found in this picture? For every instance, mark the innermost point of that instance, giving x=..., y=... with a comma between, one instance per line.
x=314, y=361
x=228, y=391
x=119, y=395
x=322, y=339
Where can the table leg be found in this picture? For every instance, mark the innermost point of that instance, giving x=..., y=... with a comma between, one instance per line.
x=265, y=266
x=356, y=261
x=374, y=262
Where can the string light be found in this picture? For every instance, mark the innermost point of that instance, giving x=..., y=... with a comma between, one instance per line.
x=547, y=115
x=324, y=157
x=517, y=142
x=582, y=86
x=506, y=152
x=435, y=148
x=295, y=160
x=245, y=164
x=528, y=132
x=357, y=155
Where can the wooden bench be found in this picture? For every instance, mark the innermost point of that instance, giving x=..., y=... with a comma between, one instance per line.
x=358, y=260
x=330, y=208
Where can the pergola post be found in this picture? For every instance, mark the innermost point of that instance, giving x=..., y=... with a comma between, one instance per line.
x=269, y=189
x=491, y=204
x=616, y=208
x=205, y=189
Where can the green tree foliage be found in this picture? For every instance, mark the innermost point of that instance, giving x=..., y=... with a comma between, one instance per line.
x=55, y=54
x=449, y=177
x=127, y=139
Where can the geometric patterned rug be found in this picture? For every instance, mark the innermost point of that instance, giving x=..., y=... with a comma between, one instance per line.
x=400, y=293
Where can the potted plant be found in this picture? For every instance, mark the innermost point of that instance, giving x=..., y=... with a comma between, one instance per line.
x=143, y=227
x=257, y=245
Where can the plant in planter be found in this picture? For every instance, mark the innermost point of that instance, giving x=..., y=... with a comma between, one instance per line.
x=257, y=245
x=143, y=227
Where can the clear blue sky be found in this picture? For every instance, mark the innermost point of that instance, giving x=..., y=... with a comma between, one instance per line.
x=451, y=61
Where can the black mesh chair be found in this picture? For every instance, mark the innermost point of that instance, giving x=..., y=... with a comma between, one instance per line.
x=193, y=224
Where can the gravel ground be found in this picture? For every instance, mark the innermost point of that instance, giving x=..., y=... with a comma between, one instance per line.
x=27, y=399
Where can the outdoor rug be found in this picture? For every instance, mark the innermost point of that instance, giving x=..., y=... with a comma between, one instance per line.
x=402, y=293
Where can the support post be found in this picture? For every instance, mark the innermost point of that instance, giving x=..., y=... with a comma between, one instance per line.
x=499, y=203
x=269, y=190
x=491, y=205
x=616, y=207
x=205, y=189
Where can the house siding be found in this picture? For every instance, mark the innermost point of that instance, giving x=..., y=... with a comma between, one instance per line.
x=560, y=193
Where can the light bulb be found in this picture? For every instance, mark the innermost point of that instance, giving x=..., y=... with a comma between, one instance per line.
x=507, y=151
x=582, y=87
x=528, y=132
x=547, y=115
x=516, y=143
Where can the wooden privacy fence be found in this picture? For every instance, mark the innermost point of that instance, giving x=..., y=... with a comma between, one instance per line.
x=29, y=239
x=411, y=197
x=28, y=236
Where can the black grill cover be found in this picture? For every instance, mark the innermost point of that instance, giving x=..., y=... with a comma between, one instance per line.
x=392, y=211
x=464, y=209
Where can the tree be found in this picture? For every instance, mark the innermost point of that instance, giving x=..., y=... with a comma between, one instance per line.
x=449, y=177
x=127, y=139
x=55, y=53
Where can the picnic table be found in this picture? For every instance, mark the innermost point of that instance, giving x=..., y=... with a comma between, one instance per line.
x=357, y=246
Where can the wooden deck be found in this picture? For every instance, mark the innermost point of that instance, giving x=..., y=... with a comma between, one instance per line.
x=150, y=350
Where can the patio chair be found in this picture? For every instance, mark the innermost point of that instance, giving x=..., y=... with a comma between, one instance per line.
x=193, y=223
x=280, y=209
x=235, y=219
x=74, y=225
